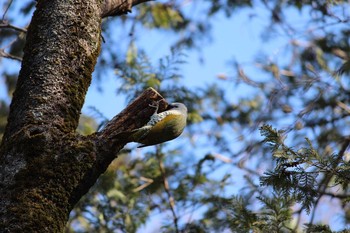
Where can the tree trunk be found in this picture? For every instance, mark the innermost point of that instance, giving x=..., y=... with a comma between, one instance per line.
x=45, y=166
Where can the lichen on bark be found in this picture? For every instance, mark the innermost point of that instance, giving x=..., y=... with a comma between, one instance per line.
x=45, y=166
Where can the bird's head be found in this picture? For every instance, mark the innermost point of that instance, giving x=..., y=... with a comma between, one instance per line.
x=178, y=106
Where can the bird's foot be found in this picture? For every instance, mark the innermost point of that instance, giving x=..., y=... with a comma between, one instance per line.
x=155, y=105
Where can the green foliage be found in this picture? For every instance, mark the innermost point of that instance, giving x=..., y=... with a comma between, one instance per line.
x=274, y=214
x=87, y=125
x=317, y=228
x=158, y=15
x=241, y=218
x=296, y=171
x=138, y=73
x=112, y=204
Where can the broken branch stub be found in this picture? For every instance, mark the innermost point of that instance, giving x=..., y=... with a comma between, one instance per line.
x=135, y=115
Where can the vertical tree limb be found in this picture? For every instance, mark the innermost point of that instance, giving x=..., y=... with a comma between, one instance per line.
x=45, y=166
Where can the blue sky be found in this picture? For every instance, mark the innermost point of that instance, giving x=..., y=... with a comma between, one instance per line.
x=231, y=38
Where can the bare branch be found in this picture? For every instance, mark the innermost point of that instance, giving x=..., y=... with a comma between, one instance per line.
x=323, y=185
x=6, y=24
x=143, y=186
x=7, y=8
x=335, y=195
x=134, y=116
x=7, y=55
x=110, y=140
x=167, y=190
x=118, y=7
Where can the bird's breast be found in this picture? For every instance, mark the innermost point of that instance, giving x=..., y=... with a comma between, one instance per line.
x=167, y=129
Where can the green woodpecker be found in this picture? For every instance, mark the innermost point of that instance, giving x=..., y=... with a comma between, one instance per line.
x=162, y=127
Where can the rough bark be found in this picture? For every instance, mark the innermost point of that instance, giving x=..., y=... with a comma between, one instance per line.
x=45, y=166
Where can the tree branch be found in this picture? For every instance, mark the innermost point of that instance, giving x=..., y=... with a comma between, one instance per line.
x=167, y=190
x=7, y=55
x=102, y=147
x=6, y=9
x=118, y=7
x=6, y=24
x=135, y=115
x=46, y=167
x=323, y=185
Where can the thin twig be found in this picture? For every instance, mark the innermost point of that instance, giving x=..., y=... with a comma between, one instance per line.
x=324, y=183
x=334, y=195
x=6, y=9
x=6, y=24
x=7, y=55
x=298, y=213
x=167, y=189
x=143, y=186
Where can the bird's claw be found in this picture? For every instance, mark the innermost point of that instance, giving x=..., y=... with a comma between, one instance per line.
x=155, y=105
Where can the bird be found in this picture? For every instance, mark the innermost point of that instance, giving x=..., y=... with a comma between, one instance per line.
x=161, y=127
